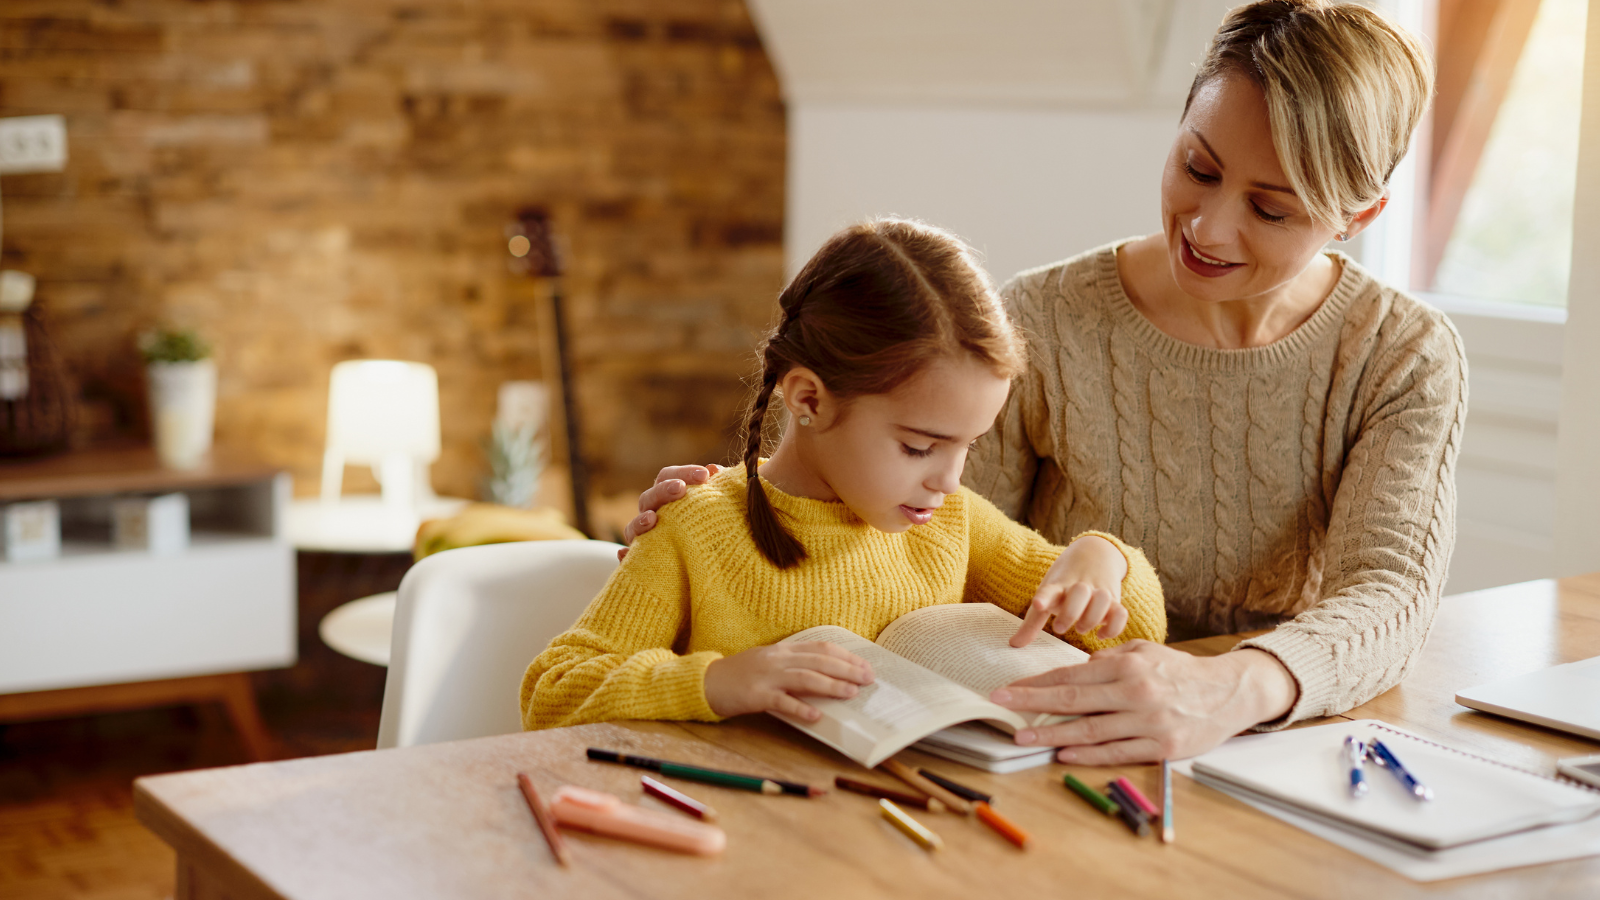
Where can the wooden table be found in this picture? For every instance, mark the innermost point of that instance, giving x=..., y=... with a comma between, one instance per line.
x=446, y=820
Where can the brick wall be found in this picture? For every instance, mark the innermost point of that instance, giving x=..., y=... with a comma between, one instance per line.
x=307, y=181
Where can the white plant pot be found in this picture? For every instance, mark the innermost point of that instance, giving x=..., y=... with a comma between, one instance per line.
x=183, y=404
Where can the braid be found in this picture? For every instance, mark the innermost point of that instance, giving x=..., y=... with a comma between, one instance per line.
x=772, y=539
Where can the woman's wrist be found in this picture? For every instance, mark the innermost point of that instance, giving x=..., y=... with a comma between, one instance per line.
x=1267, y=689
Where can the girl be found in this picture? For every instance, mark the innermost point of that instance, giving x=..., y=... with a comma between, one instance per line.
x=893, y=355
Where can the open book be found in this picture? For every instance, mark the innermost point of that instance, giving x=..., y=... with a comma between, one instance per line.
x=933, y=667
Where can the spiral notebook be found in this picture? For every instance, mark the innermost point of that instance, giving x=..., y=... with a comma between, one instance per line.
x=1475, y=798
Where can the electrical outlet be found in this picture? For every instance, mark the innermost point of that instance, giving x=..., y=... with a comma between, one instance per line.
x=33, y=144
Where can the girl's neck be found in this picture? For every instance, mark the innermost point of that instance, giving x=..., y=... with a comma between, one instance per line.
x=788, y=471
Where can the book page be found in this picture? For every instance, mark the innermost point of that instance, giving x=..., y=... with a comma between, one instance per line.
x=970, y=644
x=904, y=703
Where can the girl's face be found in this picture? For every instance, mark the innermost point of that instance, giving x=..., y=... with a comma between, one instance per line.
x=893, y=458
x=1234, y=228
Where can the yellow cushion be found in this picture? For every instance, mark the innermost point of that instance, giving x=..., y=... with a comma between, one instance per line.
x=489, y=523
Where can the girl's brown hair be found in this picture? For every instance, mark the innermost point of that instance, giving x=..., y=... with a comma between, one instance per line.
x=875, y=305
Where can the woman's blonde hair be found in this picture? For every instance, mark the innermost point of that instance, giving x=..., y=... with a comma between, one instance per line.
x=1345, y=89
x=873, y=307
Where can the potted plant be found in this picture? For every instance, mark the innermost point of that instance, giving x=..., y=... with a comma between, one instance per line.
x=183, y=394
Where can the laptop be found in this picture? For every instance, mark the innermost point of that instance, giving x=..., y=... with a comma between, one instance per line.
x=1566, y=697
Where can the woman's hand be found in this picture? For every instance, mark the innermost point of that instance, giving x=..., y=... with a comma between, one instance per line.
x=1082, y=591
x=773, y=678
x=1143, y=702
x=671, y=484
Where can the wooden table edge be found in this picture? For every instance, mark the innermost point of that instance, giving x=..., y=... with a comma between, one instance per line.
x=204, y=869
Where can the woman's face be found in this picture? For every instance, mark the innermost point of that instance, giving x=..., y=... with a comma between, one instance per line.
x=1235, y=230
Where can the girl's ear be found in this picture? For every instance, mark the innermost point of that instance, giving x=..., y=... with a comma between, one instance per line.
x=804, y=394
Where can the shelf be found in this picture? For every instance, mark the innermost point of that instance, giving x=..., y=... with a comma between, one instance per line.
x=199, y=542
x=120, y=470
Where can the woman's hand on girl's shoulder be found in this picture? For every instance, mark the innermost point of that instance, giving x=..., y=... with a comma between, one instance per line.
x=672, y=483
x=775, y=677
x=1081, y=592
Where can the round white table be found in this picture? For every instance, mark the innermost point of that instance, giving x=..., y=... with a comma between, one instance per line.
x=361, y=628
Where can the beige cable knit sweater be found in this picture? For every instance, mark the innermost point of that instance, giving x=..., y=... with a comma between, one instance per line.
x=1309, y=482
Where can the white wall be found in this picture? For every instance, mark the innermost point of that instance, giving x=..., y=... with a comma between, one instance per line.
x=1578, y=511
x=1025, y=186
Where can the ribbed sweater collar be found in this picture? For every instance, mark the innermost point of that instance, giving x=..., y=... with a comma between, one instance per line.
x=1292, y=347
x=804, y=512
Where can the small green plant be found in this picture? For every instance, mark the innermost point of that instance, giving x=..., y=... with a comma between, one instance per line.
x=516, y=458
x=173, y=345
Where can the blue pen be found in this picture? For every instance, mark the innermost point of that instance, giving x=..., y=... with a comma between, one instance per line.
x=1386, y=758
x=1356, y=753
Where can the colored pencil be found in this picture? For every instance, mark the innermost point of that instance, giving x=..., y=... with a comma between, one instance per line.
x=1007, y=829
x=901, y=797
x=914, y=829
x=1169, y=832
x=547, y=825
x=960, y=790
x=1138, y=798
x=707, y=776
x=909, y=775
x=677, y=798
x=1095, y=798
x=1130, y=813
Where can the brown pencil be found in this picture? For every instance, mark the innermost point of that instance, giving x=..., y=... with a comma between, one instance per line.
x=558, y=847
x=883, y=793
x=909, y=775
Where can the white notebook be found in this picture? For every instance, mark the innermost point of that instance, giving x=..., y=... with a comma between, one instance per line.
x=1474, y=798
x=981, y=747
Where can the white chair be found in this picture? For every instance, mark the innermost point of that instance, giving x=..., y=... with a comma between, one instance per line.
x=382, y=413
x=468, y=623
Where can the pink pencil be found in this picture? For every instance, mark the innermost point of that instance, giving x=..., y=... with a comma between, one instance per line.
x=1143, y=801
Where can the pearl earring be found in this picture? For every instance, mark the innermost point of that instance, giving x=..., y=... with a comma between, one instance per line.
x=805, y=420
x=1342, y=238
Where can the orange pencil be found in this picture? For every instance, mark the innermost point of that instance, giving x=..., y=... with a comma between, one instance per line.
x=999, y=823
x=558, y=847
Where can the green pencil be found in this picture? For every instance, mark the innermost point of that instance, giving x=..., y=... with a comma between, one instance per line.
x=707, y=776
x=1096, y=799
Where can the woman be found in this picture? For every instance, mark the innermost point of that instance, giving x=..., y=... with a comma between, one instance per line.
x=1276, y=428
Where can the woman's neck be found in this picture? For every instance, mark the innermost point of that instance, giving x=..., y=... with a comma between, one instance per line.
x=788, y=471
x=1257, y=321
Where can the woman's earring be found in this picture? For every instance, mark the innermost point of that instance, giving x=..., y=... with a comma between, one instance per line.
x=805, y=420
x=1342, y=238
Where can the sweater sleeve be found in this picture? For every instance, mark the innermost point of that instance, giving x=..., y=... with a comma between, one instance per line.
x=1008, y=561
x=1003, y=463
x=1390, y=532
x=617, y=661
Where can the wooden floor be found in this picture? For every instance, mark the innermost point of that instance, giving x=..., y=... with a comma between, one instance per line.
x=67, y=829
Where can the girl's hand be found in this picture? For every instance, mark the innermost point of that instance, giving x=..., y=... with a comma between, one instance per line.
x=1082, y=591
x=671, y=484
x=773, y=678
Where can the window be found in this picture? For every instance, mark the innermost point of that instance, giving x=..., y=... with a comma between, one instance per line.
x=1495, y=221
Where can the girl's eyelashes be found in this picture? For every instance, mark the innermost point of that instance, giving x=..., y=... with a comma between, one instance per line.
x=1202, y=178
x=917, y=452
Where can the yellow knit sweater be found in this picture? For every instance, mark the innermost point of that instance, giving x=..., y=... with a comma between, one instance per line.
x=695, y=589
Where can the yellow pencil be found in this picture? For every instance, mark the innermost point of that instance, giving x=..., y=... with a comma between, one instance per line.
x=916, y=830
